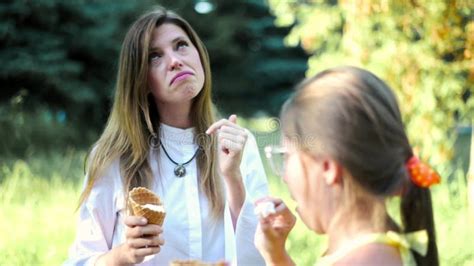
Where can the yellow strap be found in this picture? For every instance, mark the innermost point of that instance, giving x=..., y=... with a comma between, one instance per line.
x=416, y=241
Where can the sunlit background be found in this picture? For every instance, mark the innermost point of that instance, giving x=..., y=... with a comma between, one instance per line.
x=58, y=69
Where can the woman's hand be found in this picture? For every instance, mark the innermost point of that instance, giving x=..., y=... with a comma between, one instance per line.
x=142, y=239
x=272, y=232
x=231, y=142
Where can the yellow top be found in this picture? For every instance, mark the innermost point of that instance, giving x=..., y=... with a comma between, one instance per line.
x=416, y=241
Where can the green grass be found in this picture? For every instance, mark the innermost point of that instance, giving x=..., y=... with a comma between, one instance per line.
x=37, y=209
x=38, y=197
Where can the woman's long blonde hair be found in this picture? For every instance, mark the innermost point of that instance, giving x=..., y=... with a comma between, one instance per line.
x=134, y=117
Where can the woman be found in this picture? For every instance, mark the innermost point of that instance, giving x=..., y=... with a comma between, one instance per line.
x=162, y=134
x=346, y=152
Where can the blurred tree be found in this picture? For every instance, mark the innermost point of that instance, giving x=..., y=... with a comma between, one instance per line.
x=252, y=68
x=58, y=68
x=59, y=60
x=62, y=53
x=470, y=176
x=424, y=49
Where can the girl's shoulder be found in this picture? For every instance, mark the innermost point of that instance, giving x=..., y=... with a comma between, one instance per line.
x=388, y=248
x=372, y=254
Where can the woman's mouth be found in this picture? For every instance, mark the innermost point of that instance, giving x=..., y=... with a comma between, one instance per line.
x=181, y=76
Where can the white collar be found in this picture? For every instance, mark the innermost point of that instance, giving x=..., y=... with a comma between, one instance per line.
x=177, y=135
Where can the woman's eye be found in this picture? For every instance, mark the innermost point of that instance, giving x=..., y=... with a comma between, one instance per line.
x=153, y=57
x=181, y=44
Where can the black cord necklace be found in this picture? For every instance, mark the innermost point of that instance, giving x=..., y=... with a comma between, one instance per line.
x=179, y=170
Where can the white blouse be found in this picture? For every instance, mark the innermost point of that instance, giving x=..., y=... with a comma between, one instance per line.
x=188, y=230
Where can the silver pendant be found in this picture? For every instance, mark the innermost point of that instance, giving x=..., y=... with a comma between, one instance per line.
x=179, y=171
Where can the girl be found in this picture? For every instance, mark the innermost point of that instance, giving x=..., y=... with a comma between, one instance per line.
x=345, y=152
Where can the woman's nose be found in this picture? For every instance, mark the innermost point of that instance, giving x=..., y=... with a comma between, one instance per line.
x=174, y=62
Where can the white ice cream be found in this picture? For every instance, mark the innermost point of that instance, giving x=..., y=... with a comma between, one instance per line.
x=153, y=207
x=265, y=208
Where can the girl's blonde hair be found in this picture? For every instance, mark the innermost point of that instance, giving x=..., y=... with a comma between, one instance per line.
x=353, y=116
x=134, y=117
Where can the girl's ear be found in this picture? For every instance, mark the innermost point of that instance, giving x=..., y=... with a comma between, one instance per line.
x=332, y=171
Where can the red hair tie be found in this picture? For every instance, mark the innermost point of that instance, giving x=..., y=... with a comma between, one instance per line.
x=421, y=174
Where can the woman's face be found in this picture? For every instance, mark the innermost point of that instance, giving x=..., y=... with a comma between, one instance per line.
x=305, y=181
x=175, y=72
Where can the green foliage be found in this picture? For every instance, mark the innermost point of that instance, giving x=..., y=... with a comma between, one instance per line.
x=58, y=69
x=26, y=132
x=62, y=53
x=252, y=68
x=60, y=57
x=423, y=49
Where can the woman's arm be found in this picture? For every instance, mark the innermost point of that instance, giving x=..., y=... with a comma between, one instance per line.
x=256, y=187
x=235, y=191
x=96, y=220
x=231, y=143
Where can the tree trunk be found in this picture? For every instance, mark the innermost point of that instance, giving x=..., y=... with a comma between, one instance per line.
x=470, y=176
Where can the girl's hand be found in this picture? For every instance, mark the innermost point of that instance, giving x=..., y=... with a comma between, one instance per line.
x=231, y=139
x=272, y=232
x=142, y=239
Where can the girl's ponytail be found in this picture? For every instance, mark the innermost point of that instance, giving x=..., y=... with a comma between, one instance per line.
x=417, y=211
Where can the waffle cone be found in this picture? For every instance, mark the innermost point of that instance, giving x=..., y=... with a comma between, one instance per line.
x=140, y=196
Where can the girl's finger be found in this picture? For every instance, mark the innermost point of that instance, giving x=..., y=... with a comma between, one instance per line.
x=266, y=226
x=276, y=201
x=285, y=213
x=281, y=207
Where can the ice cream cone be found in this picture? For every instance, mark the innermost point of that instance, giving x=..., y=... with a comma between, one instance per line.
x=139, y=197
